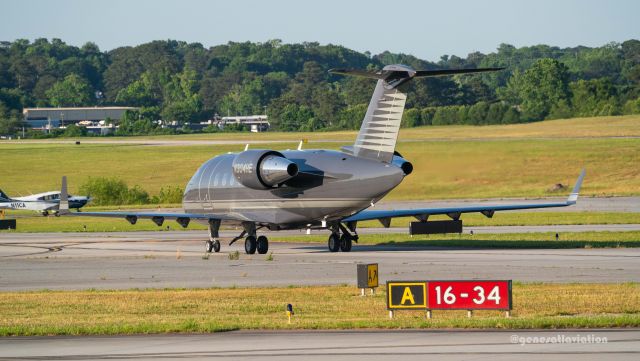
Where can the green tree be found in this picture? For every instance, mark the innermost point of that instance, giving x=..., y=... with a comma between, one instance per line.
x=543, y=85
x=74, y=131
x=593, y=97
x=411, y=118
x=73, y=91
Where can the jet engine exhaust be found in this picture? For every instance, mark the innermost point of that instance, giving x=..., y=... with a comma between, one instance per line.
x=275, y=170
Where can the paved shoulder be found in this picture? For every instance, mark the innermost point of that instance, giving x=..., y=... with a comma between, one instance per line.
x=337, y=345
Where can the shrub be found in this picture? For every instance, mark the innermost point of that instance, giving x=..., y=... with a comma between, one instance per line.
x=112, y=191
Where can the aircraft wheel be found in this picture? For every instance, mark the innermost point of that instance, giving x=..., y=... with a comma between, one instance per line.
x=263, y=245
x=57, y=214
x=45, y=213
x=216, y=246
x=208, y=246
x=250, y=245
x=334, y=242
x=345, y=243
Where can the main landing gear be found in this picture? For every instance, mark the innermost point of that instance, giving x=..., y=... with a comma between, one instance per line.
x=341, y=239
x=252, y=242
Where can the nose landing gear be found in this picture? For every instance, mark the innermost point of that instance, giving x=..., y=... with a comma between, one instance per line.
x=213, y=244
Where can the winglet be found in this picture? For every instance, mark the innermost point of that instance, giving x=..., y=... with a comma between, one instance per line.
x=573, y=197
x=63, y=208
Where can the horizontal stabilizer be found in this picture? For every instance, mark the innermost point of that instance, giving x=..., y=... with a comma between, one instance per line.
x=429, y=73
x=387, y=73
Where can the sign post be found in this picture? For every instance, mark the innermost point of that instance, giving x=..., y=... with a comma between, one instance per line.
x=367, y=277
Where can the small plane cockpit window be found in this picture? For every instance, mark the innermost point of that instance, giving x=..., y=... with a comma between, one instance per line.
x=223, y=182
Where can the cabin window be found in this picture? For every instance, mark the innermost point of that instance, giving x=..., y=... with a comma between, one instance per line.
x=216, y=179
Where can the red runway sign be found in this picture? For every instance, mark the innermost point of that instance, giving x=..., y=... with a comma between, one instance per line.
x=469, y=295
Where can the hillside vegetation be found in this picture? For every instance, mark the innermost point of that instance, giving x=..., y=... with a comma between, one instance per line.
x=186, y=82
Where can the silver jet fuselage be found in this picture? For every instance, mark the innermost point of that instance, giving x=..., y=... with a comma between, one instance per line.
x=329, y=185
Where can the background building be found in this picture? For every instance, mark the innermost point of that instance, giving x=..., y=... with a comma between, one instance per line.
x=95, y=119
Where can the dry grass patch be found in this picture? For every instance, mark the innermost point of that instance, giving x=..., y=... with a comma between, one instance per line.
x=336, y=307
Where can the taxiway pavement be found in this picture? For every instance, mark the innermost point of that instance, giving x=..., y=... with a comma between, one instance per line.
x=583, y=345
x=122, y=260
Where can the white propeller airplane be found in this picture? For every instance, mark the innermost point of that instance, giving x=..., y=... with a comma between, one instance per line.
x=45, y=203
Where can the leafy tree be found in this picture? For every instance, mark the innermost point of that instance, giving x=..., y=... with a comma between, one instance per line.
x=411, y=118
x=72, y=91
x=593, y=97
x=542, y=86
x=74, y=131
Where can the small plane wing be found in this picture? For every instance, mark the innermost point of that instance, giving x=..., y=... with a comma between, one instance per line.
x=132, y=217
x=384, y=216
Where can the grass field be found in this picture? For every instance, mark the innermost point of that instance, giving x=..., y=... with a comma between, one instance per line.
x=479, y=162
x=455, y=169
x=616, y=126
x=336, y=307
x=32, y=222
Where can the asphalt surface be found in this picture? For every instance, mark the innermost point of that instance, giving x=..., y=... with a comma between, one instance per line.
x=580, y=344
x=175, y=259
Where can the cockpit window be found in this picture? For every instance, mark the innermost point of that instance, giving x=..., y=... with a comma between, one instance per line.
x=224, y=179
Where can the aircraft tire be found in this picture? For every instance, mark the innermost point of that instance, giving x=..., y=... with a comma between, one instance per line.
x=345, y=243
x=334, y=242
x=250, y=245
x=208, y=246
x=216, y=246
x=263, y=244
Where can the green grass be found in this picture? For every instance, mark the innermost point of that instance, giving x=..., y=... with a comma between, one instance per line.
x=455, y=169
x=609, y=126
x=509, y=240
x=32, y=222
x=334, y=307
x=515, y=164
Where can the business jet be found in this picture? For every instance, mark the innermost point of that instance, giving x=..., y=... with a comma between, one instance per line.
x=317, y=188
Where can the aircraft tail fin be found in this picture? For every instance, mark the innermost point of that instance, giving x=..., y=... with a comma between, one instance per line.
x=4, y=196
x=379, y=131
x=63, y=208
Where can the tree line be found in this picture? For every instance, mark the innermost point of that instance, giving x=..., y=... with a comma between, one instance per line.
x=186, y=82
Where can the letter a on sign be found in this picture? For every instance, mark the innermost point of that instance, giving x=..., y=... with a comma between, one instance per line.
x=407, y=296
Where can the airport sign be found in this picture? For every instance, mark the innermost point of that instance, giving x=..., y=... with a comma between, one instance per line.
x=469, y=295
x=367, y=275
x=449, y=295
x=406, y=295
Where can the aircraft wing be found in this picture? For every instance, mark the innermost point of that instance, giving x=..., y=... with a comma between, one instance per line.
x=384, y=216
x=157, y=216
x=132, y=217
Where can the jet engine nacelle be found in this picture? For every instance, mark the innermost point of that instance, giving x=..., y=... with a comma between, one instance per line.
x=262, y=169
x=402, y=163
